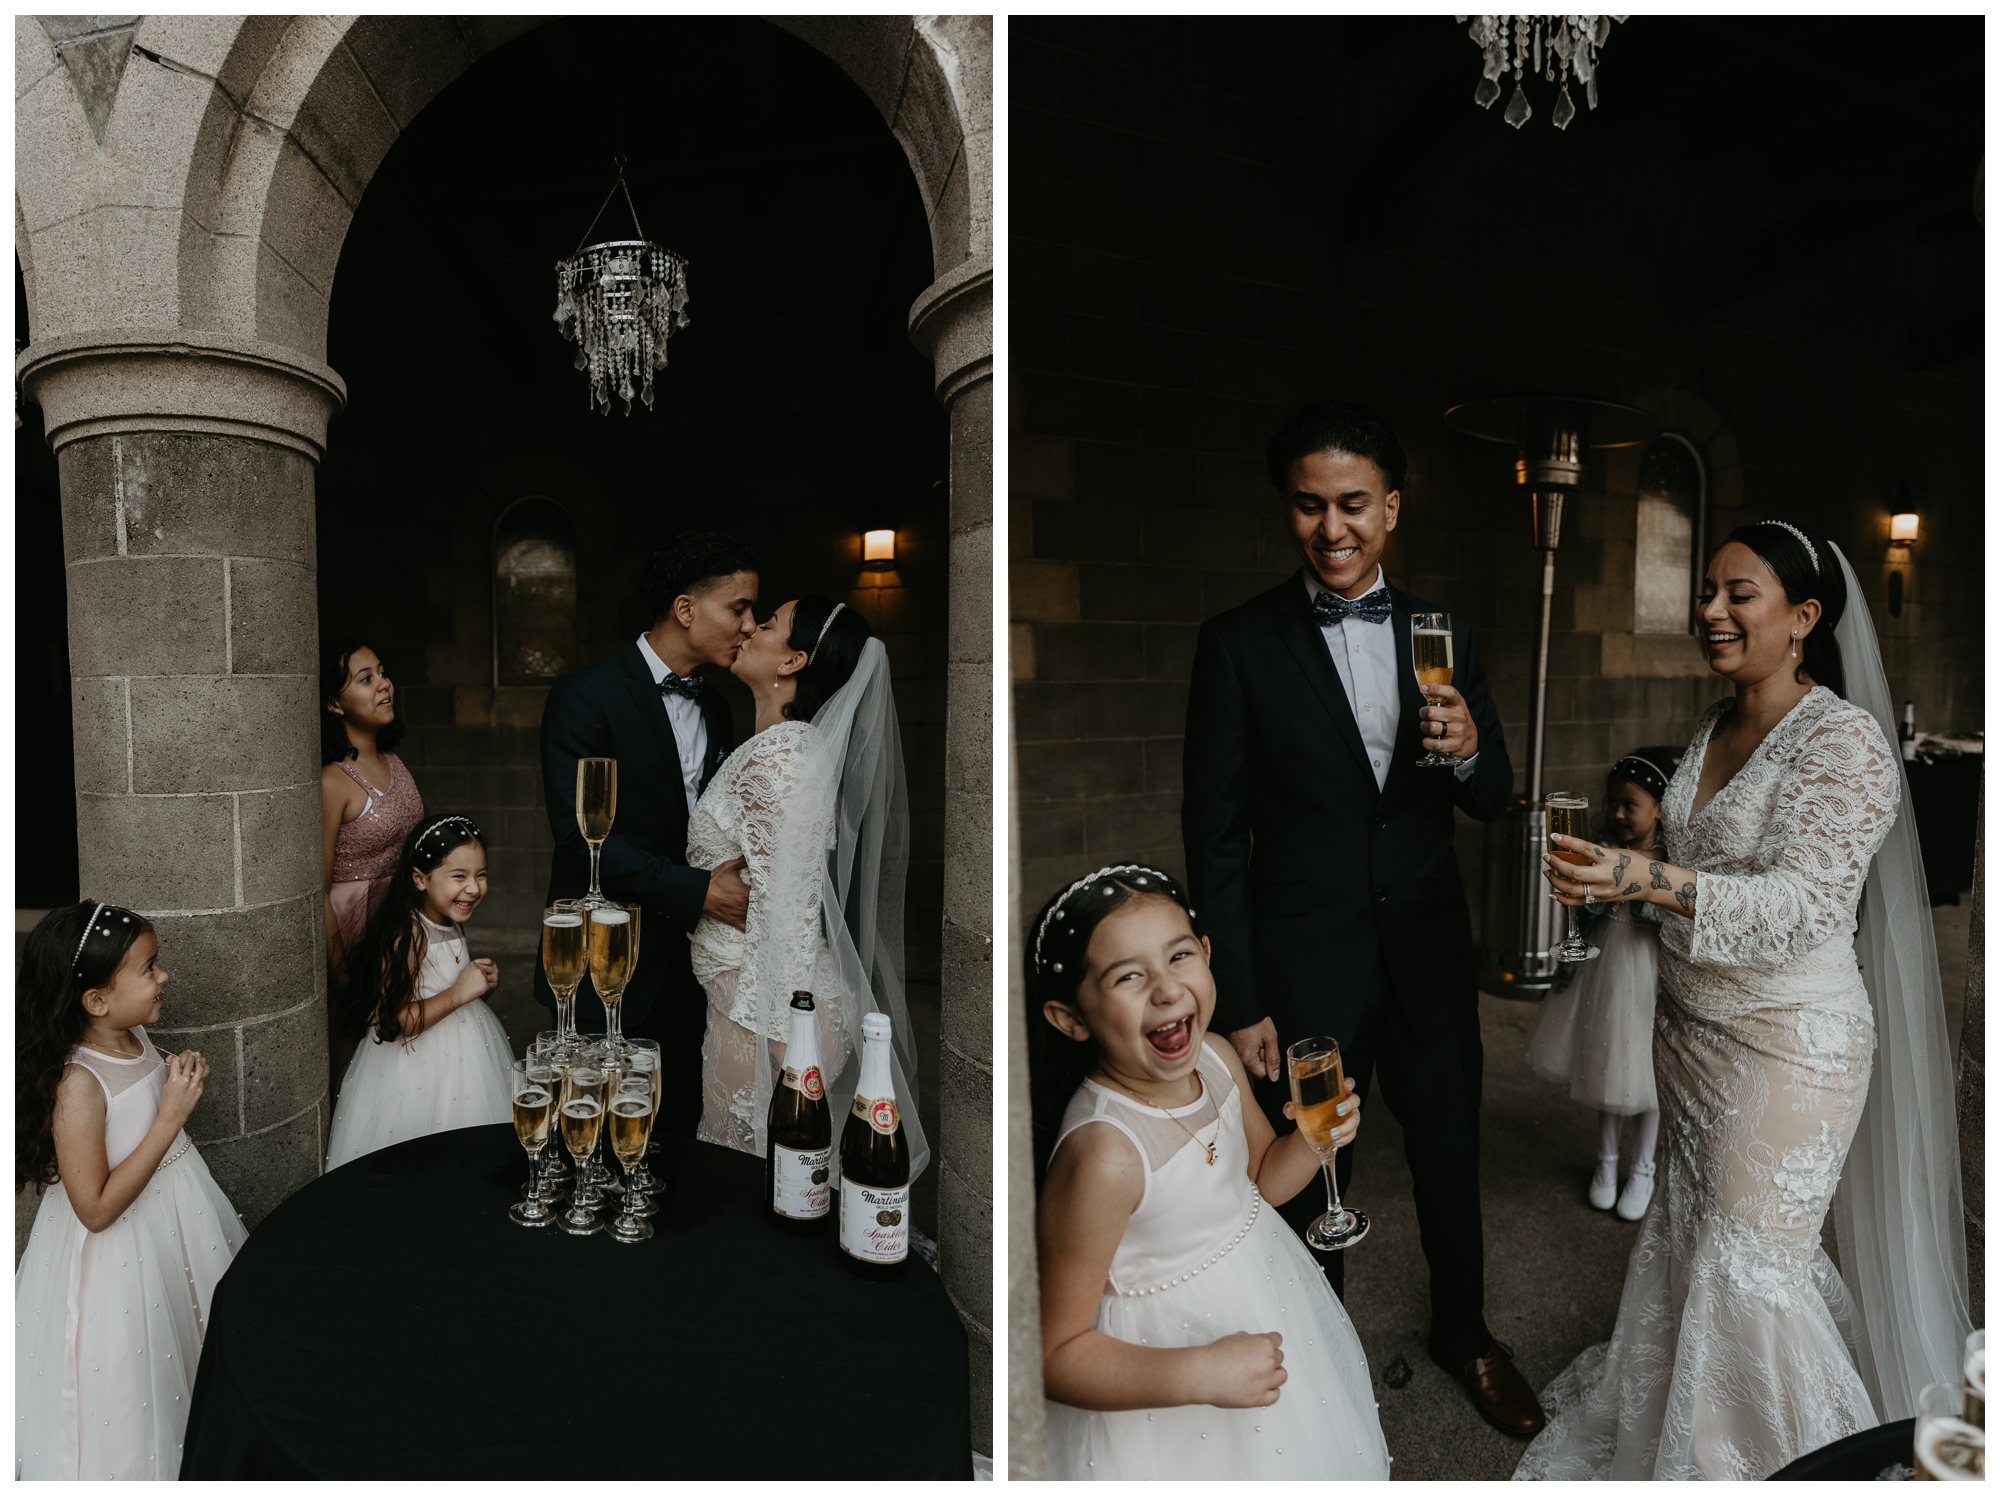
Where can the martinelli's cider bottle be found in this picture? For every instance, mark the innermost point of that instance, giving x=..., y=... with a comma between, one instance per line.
x=875, y=1166
x=799, y=1130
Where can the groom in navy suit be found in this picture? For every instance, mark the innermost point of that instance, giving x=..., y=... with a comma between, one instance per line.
x=649, y=707
x=1320, y=855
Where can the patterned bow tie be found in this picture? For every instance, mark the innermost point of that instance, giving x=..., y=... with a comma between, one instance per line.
x=1331, y=607
x=690, y=686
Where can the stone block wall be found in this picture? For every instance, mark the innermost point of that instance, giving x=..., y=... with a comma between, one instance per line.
x=1182, y=280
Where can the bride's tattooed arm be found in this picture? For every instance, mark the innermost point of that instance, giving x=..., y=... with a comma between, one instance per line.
x=1612, y=875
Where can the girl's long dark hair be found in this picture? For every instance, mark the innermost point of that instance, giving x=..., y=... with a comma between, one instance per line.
x=49, y=1018
x=834, y=659
x=1793, y=565
x=334, y=743
x=1057, y=1064
x=382, y=970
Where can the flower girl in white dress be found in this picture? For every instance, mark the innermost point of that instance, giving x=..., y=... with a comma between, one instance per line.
x=1596, y=1035
x=112, y=1294
x=1186, y=1331
x=439, y=1059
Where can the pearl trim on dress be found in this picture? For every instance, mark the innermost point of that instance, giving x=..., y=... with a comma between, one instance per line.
x=1256, y=1207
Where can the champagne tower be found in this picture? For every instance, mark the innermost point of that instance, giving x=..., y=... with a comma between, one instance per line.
x=1552, y=436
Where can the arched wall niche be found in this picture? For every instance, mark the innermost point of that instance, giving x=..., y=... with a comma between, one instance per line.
x=1663, y=571
x=534, y=593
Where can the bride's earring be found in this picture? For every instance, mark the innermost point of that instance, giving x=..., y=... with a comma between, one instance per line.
x=1795, y=644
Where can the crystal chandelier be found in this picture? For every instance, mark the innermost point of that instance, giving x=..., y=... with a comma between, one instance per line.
x=619, y=301
x=1551, y=46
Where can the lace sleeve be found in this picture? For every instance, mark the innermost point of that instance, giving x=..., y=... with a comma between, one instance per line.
x=781, y=934
x=1841, y=798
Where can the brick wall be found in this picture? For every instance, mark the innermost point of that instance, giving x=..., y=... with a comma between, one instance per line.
x=1187, y=269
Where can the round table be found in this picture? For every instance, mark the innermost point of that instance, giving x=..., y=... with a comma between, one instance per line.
x=389, y=1321
x=1862, y=1456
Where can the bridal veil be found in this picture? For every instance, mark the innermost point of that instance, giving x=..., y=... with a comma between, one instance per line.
x=848, y=828
x=1899, y=1216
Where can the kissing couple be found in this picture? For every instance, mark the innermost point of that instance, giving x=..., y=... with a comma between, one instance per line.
x=762, y=868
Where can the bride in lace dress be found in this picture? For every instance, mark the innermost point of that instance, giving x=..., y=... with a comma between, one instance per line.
x=814, y=803
x=1739, y=1346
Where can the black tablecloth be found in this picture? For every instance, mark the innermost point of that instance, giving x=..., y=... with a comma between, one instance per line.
x=1944, y=798
x=389, y=1321
x=1861, y=1456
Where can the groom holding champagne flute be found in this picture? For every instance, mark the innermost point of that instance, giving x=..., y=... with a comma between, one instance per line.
x=1320, y=779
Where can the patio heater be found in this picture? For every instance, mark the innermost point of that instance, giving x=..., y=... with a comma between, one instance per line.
x=1552, y=436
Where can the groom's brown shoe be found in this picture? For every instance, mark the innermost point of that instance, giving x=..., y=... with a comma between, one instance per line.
x=1498, y=1391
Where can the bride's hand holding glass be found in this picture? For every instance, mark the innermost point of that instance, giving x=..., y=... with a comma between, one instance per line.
x=1616, y=875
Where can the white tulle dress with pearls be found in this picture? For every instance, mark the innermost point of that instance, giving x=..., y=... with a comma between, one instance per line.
x=457, y=1073
x=1203, y=1257
x=108, y=1325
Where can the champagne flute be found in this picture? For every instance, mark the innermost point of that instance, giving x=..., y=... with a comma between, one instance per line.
x=631, y=1126
x=1566, y=817
x=642, y=1057
x=596, y=809
x=554, y=1063
x=582, y=1122
x=565, y=956
x=1430, y=649
x=614, y=952
x=1947, y=1446
x=1318, y=1083
x=598, y=1055
x=534, y=1106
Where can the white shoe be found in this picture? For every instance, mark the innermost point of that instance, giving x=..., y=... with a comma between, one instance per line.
x=1604, y=1183
x=1638, y=1193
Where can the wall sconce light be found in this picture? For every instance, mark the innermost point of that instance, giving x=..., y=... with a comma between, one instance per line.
x=878, y=550
x=1902, y=529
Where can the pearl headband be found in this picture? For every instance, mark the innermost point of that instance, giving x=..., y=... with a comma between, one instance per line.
x=1056, y=912
x=465, y=821
x=1655, y=781
x=88, y=926
x=124, y=917
x=838, y=609
x=1781, y=524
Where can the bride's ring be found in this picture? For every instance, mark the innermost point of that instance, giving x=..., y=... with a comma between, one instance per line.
x=1589, y=894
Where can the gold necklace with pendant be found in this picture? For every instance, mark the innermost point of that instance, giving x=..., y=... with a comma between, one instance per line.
x=1208, y=1148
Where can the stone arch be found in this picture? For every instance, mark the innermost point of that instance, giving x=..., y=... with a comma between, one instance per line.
x=258, y=135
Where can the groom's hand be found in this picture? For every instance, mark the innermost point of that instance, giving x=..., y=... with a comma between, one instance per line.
x=728, y=895
x=1257, y=1048
x=1445, y=707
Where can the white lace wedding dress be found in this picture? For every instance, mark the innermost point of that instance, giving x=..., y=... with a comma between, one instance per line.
x=782, y=950
x=1733, y=1349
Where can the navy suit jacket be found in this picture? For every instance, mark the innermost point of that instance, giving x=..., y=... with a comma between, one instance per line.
x=1299, y=867
x=612, y=709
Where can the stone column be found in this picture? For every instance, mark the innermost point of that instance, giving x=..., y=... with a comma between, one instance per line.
x=953, y=323
x=188, y=463
x=1972, y=1083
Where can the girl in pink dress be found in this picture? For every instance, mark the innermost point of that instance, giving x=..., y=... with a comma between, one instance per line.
x=368, y=806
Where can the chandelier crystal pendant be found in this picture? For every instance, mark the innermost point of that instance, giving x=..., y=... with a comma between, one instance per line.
x=620, y=301
x=1552, y=47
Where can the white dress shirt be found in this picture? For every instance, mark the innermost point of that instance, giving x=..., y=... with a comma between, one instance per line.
x=690, y=727
x=1364, y=657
